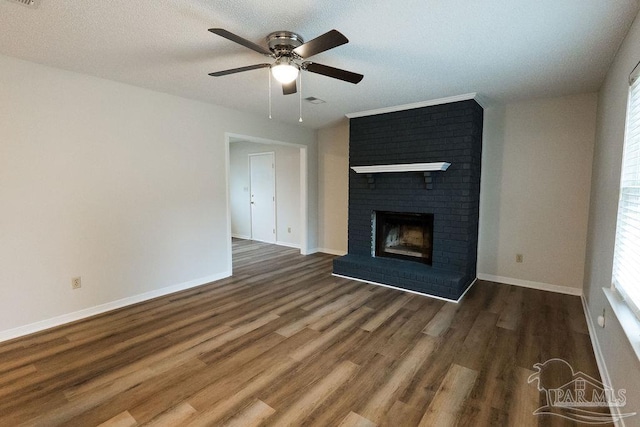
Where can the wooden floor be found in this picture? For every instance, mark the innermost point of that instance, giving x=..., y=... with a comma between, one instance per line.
x=282, y=342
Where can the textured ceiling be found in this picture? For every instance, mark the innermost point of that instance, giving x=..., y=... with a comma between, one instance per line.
x=408, y=51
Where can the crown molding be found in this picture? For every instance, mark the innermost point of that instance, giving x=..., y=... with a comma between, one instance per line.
x=439, y=101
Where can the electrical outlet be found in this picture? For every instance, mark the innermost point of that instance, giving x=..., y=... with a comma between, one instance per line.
x=519, y=258
x=76, y=283
x=601, y=319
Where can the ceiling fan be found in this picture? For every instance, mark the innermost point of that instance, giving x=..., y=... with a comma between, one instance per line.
x=290, y=53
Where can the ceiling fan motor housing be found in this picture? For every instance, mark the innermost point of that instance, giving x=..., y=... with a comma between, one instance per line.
x=282, y=43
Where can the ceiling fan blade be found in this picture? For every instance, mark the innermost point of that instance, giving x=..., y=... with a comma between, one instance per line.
x=289, y=88
x=239, y=70
x=326, y=41
x=244, y=42
x=335, y=73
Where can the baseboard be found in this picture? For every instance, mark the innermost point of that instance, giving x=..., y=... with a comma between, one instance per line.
x=529, y=284
x=102, y=308
x=602, y=367
x=597, y=350
x=331, y=251
x=278, y=242
x=408, y=290
x=288, y=245
x=240, y=236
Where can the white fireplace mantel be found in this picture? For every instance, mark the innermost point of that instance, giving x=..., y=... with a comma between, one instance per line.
x=406, y=167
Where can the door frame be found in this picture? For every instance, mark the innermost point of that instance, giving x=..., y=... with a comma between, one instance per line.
x=273, y=190
x=230, y=137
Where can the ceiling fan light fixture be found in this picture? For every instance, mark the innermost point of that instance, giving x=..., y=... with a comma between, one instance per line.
x=285, y=70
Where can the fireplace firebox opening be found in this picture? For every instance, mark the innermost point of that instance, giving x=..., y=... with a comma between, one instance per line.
x=402, y=235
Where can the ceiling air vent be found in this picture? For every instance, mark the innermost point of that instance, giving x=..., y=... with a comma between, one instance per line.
x=33, y=4
x=314, y=100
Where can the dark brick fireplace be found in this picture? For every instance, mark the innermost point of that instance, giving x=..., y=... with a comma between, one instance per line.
x=442, y=260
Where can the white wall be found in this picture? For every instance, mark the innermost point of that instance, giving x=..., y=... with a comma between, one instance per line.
x=333, y=188
x=239, y=193
x=534, y=198
x=536, y=171
x=123, y=186
x=622, y=364
x=287, y=161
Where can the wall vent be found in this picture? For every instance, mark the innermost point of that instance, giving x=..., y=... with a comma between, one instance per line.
x=33, y=4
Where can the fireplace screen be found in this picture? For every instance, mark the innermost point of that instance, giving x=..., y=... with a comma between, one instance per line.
x=404, y=235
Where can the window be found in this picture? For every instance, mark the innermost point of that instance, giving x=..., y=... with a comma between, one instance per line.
x=626, y=260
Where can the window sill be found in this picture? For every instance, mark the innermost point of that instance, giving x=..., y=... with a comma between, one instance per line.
x=629, y=322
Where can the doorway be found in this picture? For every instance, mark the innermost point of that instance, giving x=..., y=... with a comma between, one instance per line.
x=262, y=190
x=291, y=192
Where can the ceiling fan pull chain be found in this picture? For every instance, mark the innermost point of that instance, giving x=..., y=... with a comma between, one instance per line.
x=269, y=76
x=300, y=92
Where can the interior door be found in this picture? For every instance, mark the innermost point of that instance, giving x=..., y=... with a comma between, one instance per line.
x=263, y=197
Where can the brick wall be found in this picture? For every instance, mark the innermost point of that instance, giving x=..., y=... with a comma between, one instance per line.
x=442, y=133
